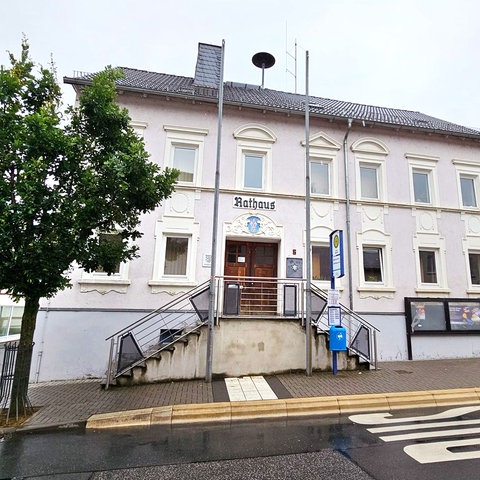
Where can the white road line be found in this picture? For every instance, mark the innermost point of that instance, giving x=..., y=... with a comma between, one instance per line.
x=423, y=426
x=385, y=418
x=249, y=388
x=437, y=434
x=439, y=451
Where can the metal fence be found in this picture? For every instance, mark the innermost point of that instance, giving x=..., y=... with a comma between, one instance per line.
x=8, y=360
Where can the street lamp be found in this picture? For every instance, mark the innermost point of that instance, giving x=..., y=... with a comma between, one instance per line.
x=308, y=251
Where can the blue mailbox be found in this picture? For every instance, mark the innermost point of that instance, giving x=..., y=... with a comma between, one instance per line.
x=338, y=338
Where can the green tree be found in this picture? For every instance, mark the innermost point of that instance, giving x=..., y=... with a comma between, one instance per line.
x=65, y=179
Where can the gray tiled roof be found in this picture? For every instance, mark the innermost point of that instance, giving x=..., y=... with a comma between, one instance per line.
x=207, y=76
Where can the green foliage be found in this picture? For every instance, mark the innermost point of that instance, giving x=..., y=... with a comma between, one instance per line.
x=64, y=180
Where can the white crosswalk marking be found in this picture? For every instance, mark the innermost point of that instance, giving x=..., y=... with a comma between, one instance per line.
x=249, y=388
x=440, y=451
x=434, y=451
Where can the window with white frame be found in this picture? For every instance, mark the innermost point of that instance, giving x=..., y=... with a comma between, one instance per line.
x=430, y=263
x=101, y=281
x=421, y=186
x=369, y=181
x=184, y=148
x=370, y=158
x=184, y=159
x=175, y=253
x=468, y=190
x=428, y=266
x=323, y=152
x=423, y=180
x=113, y=239
x=321, y=262
x=320, y=177
x=468, y=172
x=474, y=267
x=11, y=320
x=253, y=169
x=373, y=264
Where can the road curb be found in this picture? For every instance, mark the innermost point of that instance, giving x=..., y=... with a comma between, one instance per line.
x=230, y=412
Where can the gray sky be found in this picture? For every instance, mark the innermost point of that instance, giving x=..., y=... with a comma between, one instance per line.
x=411, y=54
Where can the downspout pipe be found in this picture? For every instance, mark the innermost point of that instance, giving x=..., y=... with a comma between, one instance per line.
x=347, y=214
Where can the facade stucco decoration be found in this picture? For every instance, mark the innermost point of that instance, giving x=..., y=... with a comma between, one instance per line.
x=239, y=227
x=255, y=132
x=370, y=145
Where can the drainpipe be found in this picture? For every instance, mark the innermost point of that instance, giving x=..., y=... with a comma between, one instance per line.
x=347, y=214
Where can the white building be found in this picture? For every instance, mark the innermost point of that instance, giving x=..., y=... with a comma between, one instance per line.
x=403, y=187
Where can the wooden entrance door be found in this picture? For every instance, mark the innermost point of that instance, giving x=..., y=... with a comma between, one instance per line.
x=249, y=263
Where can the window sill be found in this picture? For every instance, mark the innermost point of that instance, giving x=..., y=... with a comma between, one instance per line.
x=433, y=290
x=172, y=286
x=376, y=292
x=104, y=285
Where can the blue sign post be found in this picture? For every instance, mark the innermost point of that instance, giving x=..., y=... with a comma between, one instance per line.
x=337, y=270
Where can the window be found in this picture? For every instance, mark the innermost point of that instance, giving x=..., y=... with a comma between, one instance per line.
x=184, y=160
x=421, y=188
x=184, y=148
x=373, y=264
x=99, y=280
x=175, y=254
x=428, y=266
x=320, y=178
x=253, y=167
x=468, y=172
x=114, y=239
x=370, y=169
x=10, y=320
x=321, y=263
x=253, y=171
x=474, y=262
x=176, y=251
x=423, y=179
x=368, y=182
x=467, y=187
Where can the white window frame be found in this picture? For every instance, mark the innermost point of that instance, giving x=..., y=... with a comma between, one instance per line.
x=255, y=140
x=186, y=137
x=432, y=243
x=262, y=156
x=380, y=249
x=6, y=301
x=178, y=228
x=378, y=168
x=102, y=282
x=330, y=165
x=321, y=245
x=469, y=269
x=471, y=244
x=425, y=164
x=371, y=153
x=324, y=149
x=383, y=242
x=471, y=170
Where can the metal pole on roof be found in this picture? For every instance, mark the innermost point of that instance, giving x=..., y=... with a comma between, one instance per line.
x=213, y=266
x=308, y=250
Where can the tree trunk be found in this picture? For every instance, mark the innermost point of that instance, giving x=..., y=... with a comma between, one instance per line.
x=19, y=403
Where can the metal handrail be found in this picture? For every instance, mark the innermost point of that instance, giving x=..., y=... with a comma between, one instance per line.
x=255, y=296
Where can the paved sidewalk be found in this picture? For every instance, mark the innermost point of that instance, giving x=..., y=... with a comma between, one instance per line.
x=73, y=402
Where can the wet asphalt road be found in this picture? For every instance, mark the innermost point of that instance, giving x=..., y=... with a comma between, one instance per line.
x=331, y=448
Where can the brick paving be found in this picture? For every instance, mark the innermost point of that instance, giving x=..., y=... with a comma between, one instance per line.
x=75, y=401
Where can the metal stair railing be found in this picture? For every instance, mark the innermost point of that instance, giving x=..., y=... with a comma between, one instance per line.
x=157, y=331
x=362, y=335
